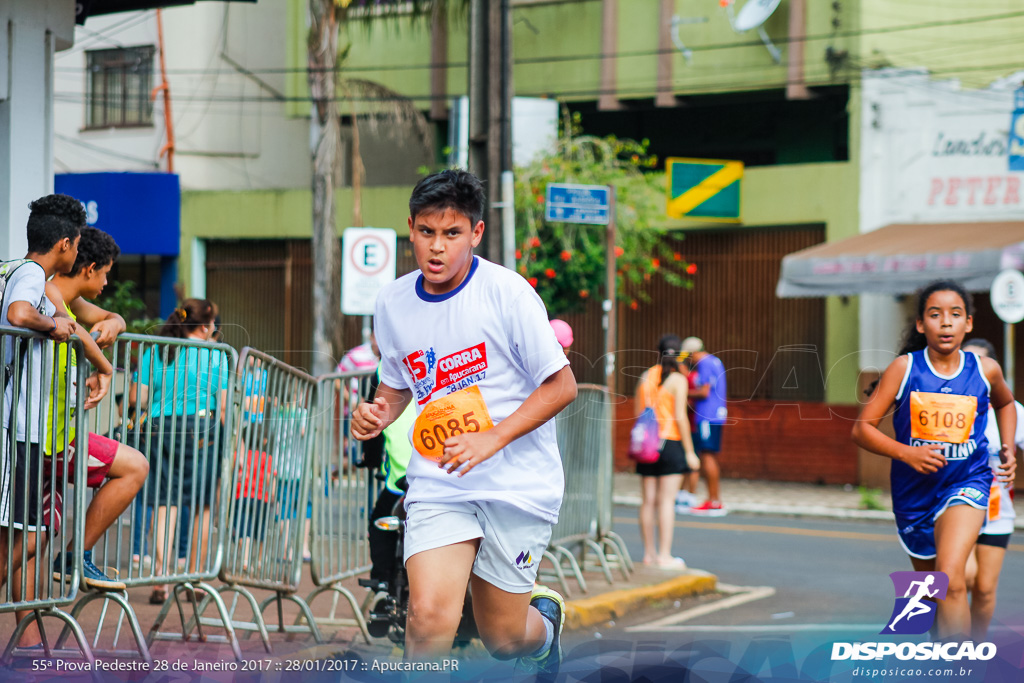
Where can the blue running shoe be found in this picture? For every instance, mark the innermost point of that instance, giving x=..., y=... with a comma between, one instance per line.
x=552, y=607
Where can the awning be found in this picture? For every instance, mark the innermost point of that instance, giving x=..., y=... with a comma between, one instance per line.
x=141, y=211
x=91, y=8
x=901, y=258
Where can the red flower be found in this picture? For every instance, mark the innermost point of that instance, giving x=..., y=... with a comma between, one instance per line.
x=522, y=269
x=540, y=199
x=550, y=272
x=677, y=256
x=584, y=293
x=519, y=254
x=619, y=251
x=655, y=263
x=534, y=242
x=634, y=305
x=691, y=269
x=566, y=255
x=533, y=282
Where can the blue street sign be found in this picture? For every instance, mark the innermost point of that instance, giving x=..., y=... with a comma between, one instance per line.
x=1016, y=155
x=568, y=203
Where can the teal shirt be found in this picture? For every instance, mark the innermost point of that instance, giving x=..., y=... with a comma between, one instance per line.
x=186, y=386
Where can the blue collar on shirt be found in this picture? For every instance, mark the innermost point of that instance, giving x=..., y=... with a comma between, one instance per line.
x=436, y=298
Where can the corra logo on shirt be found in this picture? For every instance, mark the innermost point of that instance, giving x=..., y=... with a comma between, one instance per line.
x=454, y=372
x=461, y=364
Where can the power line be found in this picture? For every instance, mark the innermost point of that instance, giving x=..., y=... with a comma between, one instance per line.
x=553, y=59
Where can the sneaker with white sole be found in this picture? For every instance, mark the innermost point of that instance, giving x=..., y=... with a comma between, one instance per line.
x=552, y=607
x=92, y=577
x=710, y=508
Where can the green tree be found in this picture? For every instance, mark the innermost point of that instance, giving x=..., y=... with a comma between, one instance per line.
x=565, y=262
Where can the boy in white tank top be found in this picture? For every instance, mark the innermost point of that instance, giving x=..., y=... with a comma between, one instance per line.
x=469, y=344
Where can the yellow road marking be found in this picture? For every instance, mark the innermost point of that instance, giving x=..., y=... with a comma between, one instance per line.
x=852, y=535
x=705, y=190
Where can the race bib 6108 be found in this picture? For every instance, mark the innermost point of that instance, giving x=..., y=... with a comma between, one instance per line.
x=458, y=413
x=948, y=418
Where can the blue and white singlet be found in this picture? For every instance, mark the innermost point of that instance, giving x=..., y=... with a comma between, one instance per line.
x=951, y=411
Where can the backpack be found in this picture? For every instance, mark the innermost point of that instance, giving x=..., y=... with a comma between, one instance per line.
x=7, y=269
x=644, y=443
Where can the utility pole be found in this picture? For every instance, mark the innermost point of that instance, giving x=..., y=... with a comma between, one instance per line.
x=490, y=110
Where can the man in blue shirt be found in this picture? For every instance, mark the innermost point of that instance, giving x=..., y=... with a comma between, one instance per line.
x=708, y=402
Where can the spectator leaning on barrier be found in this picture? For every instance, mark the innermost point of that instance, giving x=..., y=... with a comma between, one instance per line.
x=53, y=233
x=54, y=227
x=123, y=468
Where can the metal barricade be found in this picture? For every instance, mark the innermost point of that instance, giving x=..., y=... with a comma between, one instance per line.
x=40, y=512
x=583, y=432
x=269, y=490
x=170, y=400
x=344, y=493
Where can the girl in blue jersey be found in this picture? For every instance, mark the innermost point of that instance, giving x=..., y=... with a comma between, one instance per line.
x=939, y=398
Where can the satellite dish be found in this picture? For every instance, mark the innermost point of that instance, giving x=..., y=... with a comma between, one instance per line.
x=754, y=13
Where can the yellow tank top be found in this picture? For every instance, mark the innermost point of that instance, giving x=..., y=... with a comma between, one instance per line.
x=56, y=426
x=663, y=402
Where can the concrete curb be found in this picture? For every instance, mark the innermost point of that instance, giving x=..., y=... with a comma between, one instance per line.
x=600, y=609
x=790, y=510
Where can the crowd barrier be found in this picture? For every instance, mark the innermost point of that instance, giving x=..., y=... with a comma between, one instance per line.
x=249, y=460
x=38, y=506
x=169, y=401
x=584, y=434
x=269, y=492
x=344, y=494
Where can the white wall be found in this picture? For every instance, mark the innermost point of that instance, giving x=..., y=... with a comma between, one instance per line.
x=931, y=153
x=34, y=29
x=231, y=132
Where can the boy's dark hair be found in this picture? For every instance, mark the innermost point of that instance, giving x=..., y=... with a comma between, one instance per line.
x=96, y=247
x=53, y=218
x=452, y=189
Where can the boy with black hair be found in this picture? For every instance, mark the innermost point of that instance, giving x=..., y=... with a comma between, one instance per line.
x=54, y=227
x=470, y=342
x=122, y=467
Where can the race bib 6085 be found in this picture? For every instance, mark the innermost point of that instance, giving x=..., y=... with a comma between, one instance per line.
x=461, y=412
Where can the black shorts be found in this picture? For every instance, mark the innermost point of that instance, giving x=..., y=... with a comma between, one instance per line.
x=182, y=461
x=995, y=540
x=671, y=461
x=23, y=483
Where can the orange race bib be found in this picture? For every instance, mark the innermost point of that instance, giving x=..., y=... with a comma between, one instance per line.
x=459, y=413
x=948, y=418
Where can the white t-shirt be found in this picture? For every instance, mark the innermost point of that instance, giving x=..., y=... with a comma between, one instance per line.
x=28, y=283
x=1000, y=501
x=491, y=334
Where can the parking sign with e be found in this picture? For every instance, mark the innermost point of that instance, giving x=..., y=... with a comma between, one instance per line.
x=368, y=263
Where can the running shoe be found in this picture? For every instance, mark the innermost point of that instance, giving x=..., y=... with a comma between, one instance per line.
x=686, y=499
x=92, y=577
x=710, y=508
x=552, y=607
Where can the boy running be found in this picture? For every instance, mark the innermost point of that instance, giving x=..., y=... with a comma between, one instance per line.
x=470, y=342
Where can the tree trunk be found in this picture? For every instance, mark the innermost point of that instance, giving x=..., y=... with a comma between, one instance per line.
x=323, y=56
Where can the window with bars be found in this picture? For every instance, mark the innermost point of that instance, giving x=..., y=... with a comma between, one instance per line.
x=119, y=83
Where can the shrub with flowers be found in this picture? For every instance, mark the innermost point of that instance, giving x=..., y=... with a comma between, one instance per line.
x=565, y=262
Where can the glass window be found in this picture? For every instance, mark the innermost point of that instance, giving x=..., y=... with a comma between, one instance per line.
x=119, y=84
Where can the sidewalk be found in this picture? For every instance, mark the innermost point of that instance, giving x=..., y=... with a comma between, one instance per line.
x=786, y=498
